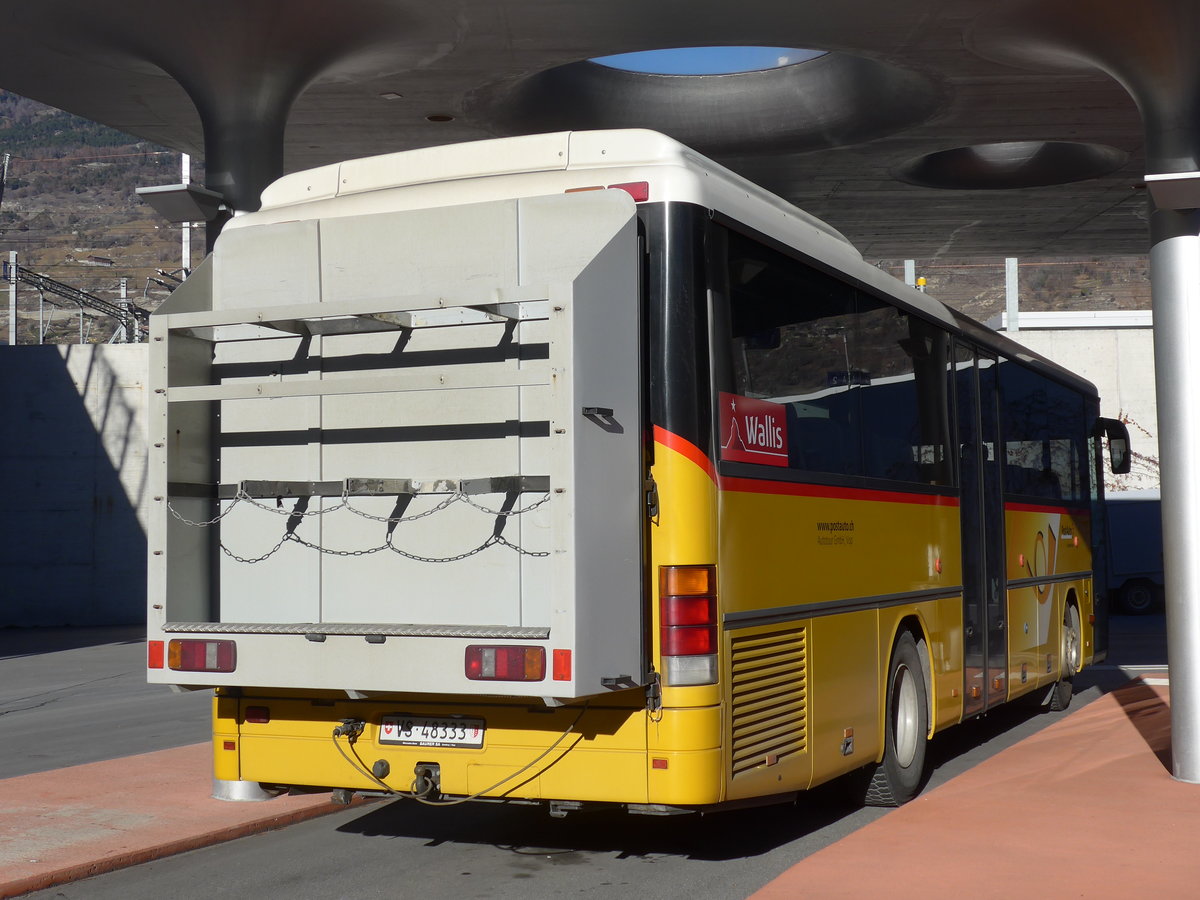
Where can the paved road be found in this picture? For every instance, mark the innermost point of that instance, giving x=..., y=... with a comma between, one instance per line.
x=71, y=696
x=402, y=850
x=399, y=849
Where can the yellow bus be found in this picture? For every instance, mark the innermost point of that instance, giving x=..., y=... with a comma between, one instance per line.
x=755, y=515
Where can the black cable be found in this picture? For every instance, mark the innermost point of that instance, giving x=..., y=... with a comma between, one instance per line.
x=362, y=766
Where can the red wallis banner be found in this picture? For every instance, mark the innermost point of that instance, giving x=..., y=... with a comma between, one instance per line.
x=753, y=431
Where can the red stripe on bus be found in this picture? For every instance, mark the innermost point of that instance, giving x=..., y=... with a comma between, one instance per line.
x=689, y=450
x=1047, y=508
x=685, y=448
x=791, y=489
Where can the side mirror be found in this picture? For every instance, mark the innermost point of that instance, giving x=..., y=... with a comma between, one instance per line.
x=1119, y=455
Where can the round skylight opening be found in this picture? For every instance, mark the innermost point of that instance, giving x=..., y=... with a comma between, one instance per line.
x=707, y=60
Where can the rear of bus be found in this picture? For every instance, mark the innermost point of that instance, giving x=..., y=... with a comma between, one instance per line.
x=410, y=503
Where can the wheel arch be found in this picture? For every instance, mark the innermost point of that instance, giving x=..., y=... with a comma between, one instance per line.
x=1071, y=600
x=912, y=623
x=890, y=780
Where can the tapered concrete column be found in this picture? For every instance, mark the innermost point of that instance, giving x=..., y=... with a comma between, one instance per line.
x=1175, y=277
x=243, y=153
x=244, y=63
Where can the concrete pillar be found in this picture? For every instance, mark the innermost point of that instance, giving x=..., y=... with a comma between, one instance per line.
x=1150, y=49
x=243, y=153
x=1175, y=277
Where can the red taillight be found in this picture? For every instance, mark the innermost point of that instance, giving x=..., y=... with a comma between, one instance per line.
x=201, y=656
x=689, y=640
x=155, y=654
x=505, y=663
x=258, y=715
x=688, y=610
x=638, y=190
x=688, y=617
x=562, y=665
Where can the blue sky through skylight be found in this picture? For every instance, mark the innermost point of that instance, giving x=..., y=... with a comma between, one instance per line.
x=707, y=60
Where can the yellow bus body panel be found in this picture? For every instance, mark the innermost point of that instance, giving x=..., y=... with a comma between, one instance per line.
x=1052, y=543
x=851, y=556
x=226, y=759
x=609, y=756
x=815, y=585
x=602, y=758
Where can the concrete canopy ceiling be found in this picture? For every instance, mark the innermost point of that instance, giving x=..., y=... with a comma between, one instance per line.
x=931, y=128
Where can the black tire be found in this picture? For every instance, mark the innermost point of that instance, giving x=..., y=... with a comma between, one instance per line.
x=1137, y=597
x=1060, y=695
x=901, y=775
x=1071, y=643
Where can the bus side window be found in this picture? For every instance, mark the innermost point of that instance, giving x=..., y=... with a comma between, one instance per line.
x=1045, y=454
x=864, y=382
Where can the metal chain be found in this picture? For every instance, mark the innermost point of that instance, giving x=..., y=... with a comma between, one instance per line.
x=491, y=541
x=504, y=542
x=291, y=536
x=344, y=503
x=186, y=521
x=390, y=520
x=281, y=511
x=494, y=540
x=328, y=552
x=503, y=513
x=242, y=559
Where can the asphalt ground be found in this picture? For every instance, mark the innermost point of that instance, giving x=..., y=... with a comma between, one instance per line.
x=1085, y=806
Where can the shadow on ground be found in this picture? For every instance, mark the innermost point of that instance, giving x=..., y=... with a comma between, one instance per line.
x=1151, y=716
x=31, y=641
x=713, y=837
x=828, y=811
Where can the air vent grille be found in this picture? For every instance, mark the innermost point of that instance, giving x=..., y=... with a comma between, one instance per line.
x=770, y=698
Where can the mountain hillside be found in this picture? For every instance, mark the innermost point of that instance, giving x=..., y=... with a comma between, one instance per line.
x=976, y=286
x=71, y=211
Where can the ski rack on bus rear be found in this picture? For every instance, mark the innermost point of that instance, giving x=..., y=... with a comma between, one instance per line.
x=458, y=462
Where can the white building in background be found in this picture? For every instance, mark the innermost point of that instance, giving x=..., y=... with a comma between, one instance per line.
x=1114, y=349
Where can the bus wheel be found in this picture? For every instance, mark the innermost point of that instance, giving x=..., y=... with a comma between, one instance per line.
x=1137, y=597
x=899, y=777
x=1060, y=695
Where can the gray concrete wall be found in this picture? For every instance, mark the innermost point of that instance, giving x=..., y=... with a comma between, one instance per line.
x=1120, y=362
x=73, y=457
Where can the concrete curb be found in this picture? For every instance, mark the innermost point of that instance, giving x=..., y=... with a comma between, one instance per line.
x=67, y=824
x=141, y=855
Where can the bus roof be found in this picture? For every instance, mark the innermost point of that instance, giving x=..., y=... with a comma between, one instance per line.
x=562, y=151
x=531, y=165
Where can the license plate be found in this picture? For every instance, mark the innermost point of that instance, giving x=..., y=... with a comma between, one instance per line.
x=431, y=731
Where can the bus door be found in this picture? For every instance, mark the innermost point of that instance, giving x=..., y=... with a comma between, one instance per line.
x=982, y=518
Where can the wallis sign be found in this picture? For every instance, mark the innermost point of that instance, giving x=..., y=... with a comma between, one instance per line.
x=753, y=431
